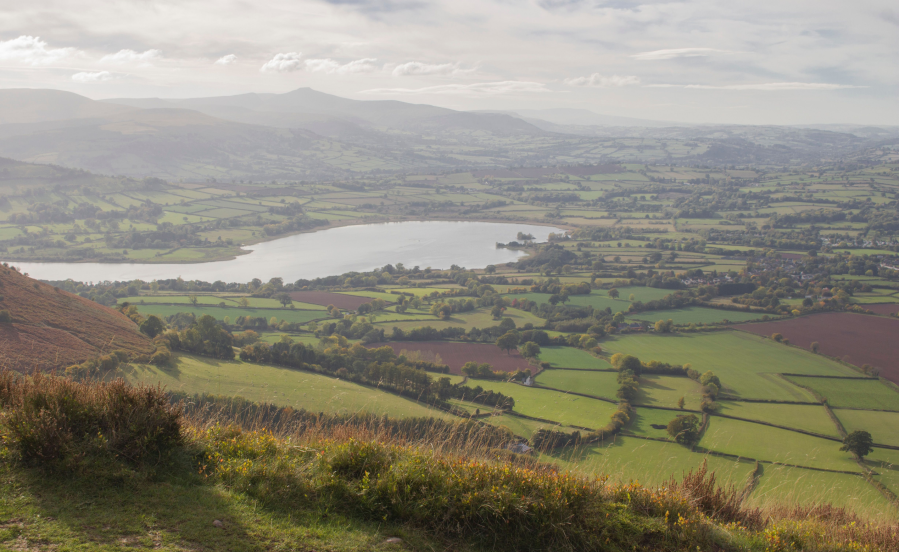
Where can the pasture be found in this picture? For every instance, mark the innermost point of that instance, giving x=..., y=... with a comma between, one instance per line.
x=276, y=385
x=842, y=393
x=569, y=357
x=760, y=442
x=602, y=384
x=747, y=365
x=219, y=313
x=697, y=315
x=883, y=426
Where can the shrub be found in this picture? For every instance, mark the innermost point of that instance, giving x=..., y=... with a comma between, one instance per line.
x=5, y=317
x=51, y=420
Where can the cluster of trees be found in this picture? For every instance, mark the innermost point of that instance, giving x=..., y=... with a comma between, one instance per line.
x=295, y=224
x=485, y=371
x=205, y=337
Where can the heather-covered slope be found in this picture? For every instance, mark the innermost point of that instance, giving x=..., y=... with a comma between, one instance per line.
x=51, y=328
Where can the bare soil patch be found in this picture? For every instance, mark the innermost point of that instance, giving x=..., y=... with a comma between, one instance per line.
x=455, y=355
x=856, y=338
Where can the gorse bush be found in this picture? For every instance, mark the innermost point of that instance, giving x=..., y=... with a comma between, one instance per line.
x=50, y=420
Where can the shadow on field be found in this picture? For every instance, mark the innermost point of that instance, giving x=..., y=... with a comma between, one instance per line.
x=130, y=508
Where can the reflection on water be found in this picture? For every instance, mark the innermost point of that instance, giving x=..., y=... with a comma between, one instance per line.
x=435, y=244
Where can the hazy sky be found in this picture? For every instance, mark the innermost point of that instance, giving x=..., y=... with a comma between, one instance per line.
x=758, y=61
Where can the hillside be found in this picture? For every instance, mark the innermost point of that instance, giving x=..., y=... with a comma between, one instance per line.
x=52, y=328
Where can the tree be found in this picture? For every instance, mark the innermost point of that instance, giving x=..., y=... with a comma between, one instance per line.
x=508, y=341
x=529, y=349
x=490, y=269
x=664, y=326
x=152, y=326
x=710, y=377
x=193, y=299
x=497, y=312
x=680, y=403
x=814, y=347
x=777, y=337
x=859, y=443
x=627, y=363
x=684, y=429
x=5, y=317
x=243, y=302
x=284, y=299
x=613, y=293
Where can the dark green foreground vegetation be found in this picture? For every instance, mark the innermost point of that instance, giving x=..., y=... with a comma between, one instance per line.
x=106, y=466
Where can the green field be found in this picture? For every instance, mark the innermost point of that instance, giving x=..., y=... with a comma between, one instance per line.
x=521, y=427
x=761, y=442
x=627, y=459
x=883, y=426
x=280, y=386
x=786, y=485
x=644, y=418
x=569, y=357
x=230, y=301
x=885, y=463
x=603, y=384
x=219, y=313
x=747, y=365
x=555, y=406
x=667, y=390
x=852, y=393
x=810, y=418
x=480, y=318
x=697, y=315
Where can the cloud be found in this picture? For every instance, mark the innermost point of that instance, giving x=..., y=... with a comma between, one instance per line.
x=130, y=56
x=674, y=53
x=226, y=60
x=600, y=81
x=890, y=15
x=33, y=51
x=283, y=63
x=96, y=76
x=477, y=89
x=417, y=68
x=768, y=86
x=330, y=66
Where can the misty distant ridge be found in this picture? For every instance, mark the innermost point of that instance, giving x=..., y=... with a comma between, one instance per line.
x=309, y=135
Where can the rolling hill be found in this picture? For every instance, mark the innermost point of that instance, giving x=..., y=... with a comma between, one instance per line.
x=51, y=328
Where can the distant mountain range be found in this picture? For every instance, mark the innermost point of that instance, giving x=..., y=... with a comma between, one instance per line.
x=310, y=135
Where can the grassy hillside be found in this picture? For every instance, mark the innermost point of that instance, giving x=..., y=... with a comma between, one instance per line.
x=195, y=481
x=51, y=328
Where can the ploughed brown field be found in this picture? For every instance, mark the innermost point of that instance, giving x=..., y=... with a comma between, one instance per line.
x=52, y=328
x=856, y=338
x=882, y=308
x=455, y=355
x=325, y=298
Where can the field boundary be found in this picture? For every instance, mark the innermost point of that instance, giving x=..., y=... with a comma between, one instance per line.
x=769, y=424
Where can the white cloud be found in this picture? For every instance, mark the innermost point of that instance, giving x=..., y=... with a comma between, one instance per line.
x=768, y=86
x=130, y=56
x=679, y=53
x=600, y=81
x=283, y=63
x=33, y=51
x=330, y=66
x=477, y=89
x=417, y=68
x=96, y=76
x=226, y=60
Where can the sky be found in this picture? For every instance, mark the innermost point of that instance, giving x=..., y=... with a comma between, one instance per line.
x=734, y=61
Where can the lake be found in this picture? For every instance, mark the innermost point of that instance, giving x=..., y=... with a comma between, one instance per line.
x=360, y=248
